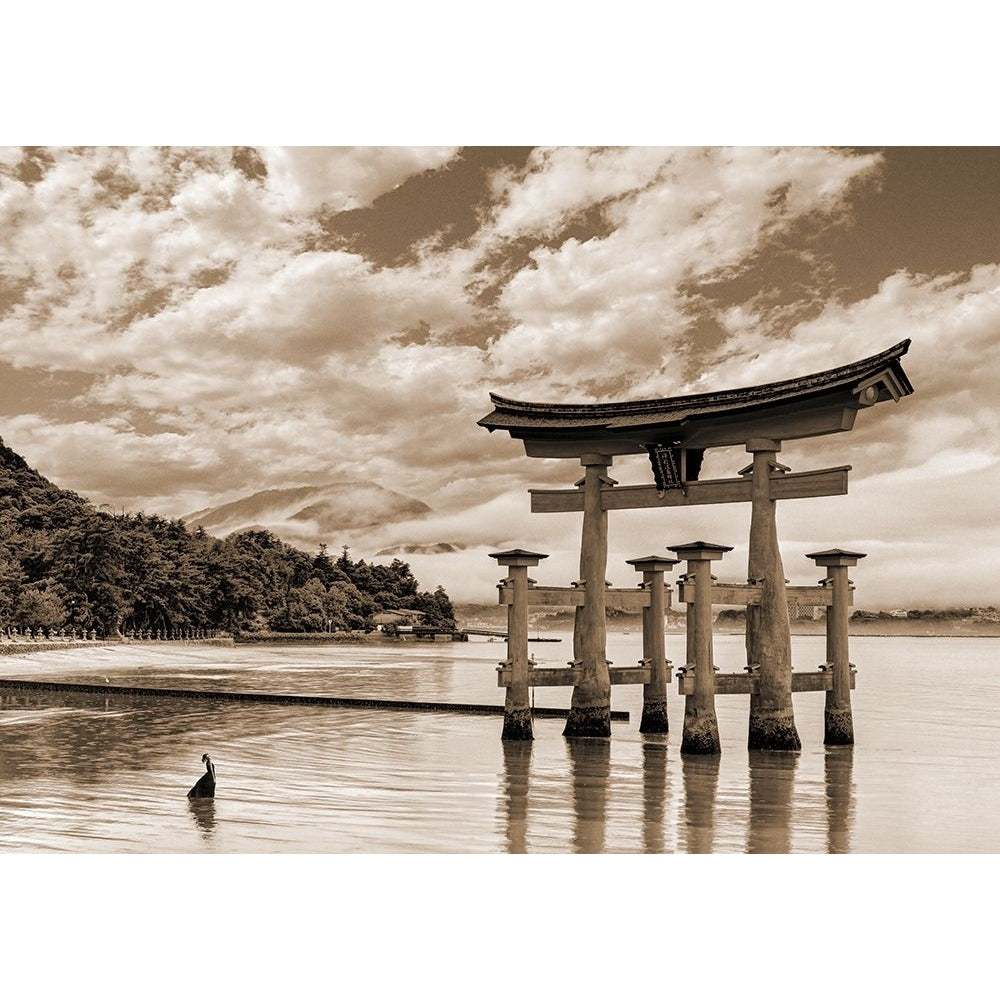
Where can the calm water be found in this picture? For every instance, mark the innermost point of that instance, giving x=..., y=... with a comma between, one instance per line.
x=85, y=773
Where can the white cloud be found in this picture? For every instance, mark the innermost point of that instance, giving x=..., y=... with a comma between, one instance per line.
x=232, y=358
x=953, y=363
x=93, y=456
x=308, y=178
x=557, y=183
x=616, y=305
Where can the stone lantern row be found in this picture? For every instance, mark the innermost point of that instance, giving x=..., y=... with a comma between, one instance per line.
x=14, y=632
x=698, y=680
x=72, y=633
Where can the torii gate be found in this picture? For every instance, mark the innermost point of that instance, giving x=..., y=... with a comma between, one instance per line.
x=674, y=432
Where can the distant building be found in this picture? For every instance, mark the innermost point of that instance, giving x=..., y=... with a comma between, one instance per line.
x=400, y=618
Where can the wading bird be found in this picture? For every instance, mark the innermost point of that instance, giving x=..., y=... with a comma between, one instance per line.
x=205, y=786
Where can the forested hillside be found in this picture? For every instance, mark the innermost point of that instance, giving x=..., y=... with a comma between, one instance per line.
x=66, y=564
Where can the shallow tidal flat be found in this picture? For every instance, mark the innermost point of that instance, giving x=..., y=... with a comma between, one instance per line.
x=107, y=773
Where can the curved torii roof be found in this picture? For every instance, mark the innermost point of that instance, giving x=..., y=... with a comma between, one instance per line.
x=822, y=403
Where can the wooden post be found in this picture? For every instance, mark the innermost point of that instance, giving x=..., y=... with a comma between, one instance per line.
x=654, y=694
x=701, y=728
x=590, y=708
x=838, y=721
x=517, y=709
x=768, y=635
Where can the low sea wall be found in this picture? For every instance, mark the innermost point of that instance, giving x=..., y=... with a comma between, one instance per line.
x=280, y=699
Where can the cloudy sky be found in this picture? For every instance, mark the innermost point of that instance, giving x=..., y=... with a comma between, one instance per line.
x=180, y=327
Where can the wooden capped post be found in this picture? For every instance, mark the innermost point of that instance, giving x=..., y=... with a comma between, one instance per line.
x=838, y=720
x=590, y=707
x=654, y=694
x=768, y=636
x=701, y=727
x=517, y=709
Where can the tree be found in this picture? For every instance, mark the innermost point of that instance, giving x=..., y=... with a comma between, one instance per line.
x=346, y=606
x=305, y=610
x=64, y=562
x=11, y=578
x=437, y=608
x=39, y=608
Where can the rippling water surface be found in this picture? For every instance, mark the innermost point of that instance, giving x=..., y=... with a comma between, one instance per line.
x=89, y=773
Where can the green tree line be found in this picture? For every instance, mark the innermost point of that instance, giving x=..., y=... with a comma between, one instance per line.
x=66, y=564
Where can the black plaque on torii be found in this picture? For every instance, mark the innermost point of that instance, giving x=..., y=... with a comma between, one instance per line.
x=673, y=465
x=666, y=462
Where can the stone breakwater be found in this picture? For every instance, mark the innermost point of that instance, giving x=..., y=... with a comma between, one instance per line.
x=27, y=686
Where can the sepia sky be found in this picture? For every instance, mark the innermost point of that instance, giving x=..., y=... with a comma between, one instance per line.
x=180, y=327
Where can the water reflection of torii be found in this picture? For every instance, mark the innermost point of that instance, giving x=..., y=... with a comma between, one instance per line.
x=771, y=786
x=675, y=432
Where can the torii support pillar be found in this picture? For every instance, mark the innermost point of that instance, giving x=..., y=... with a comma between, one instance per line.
x=590, y=708
x=517, y=709
x=769, y=636
x=838, y=721
x=701, y=727
x=654, y=694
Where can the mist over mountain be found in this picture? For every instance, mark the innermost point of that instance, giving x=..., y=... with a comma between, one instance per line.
x=309, y=515
x=419, y=549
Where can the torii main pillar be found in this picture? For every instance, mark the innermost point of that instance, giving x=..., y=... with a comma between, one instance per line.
x=768, y=634
x=590, y=708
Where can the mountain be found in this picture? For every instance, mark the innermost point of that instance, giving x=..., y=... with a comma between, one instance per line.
x=311, y=514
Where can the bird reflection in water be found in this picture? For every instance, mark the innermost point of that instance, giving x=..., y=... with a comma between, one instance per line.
x=701, y=782
x=590, y=763
x=654, y=791
x=838, y=779
x=203, y=812
x=516, y=766
x=772, y=787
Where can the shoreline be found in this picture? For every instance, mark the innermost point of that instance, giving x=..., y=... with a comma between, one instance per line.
x=27, y=646
x=879, y=629
x=150, y=650
x=944, y=626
